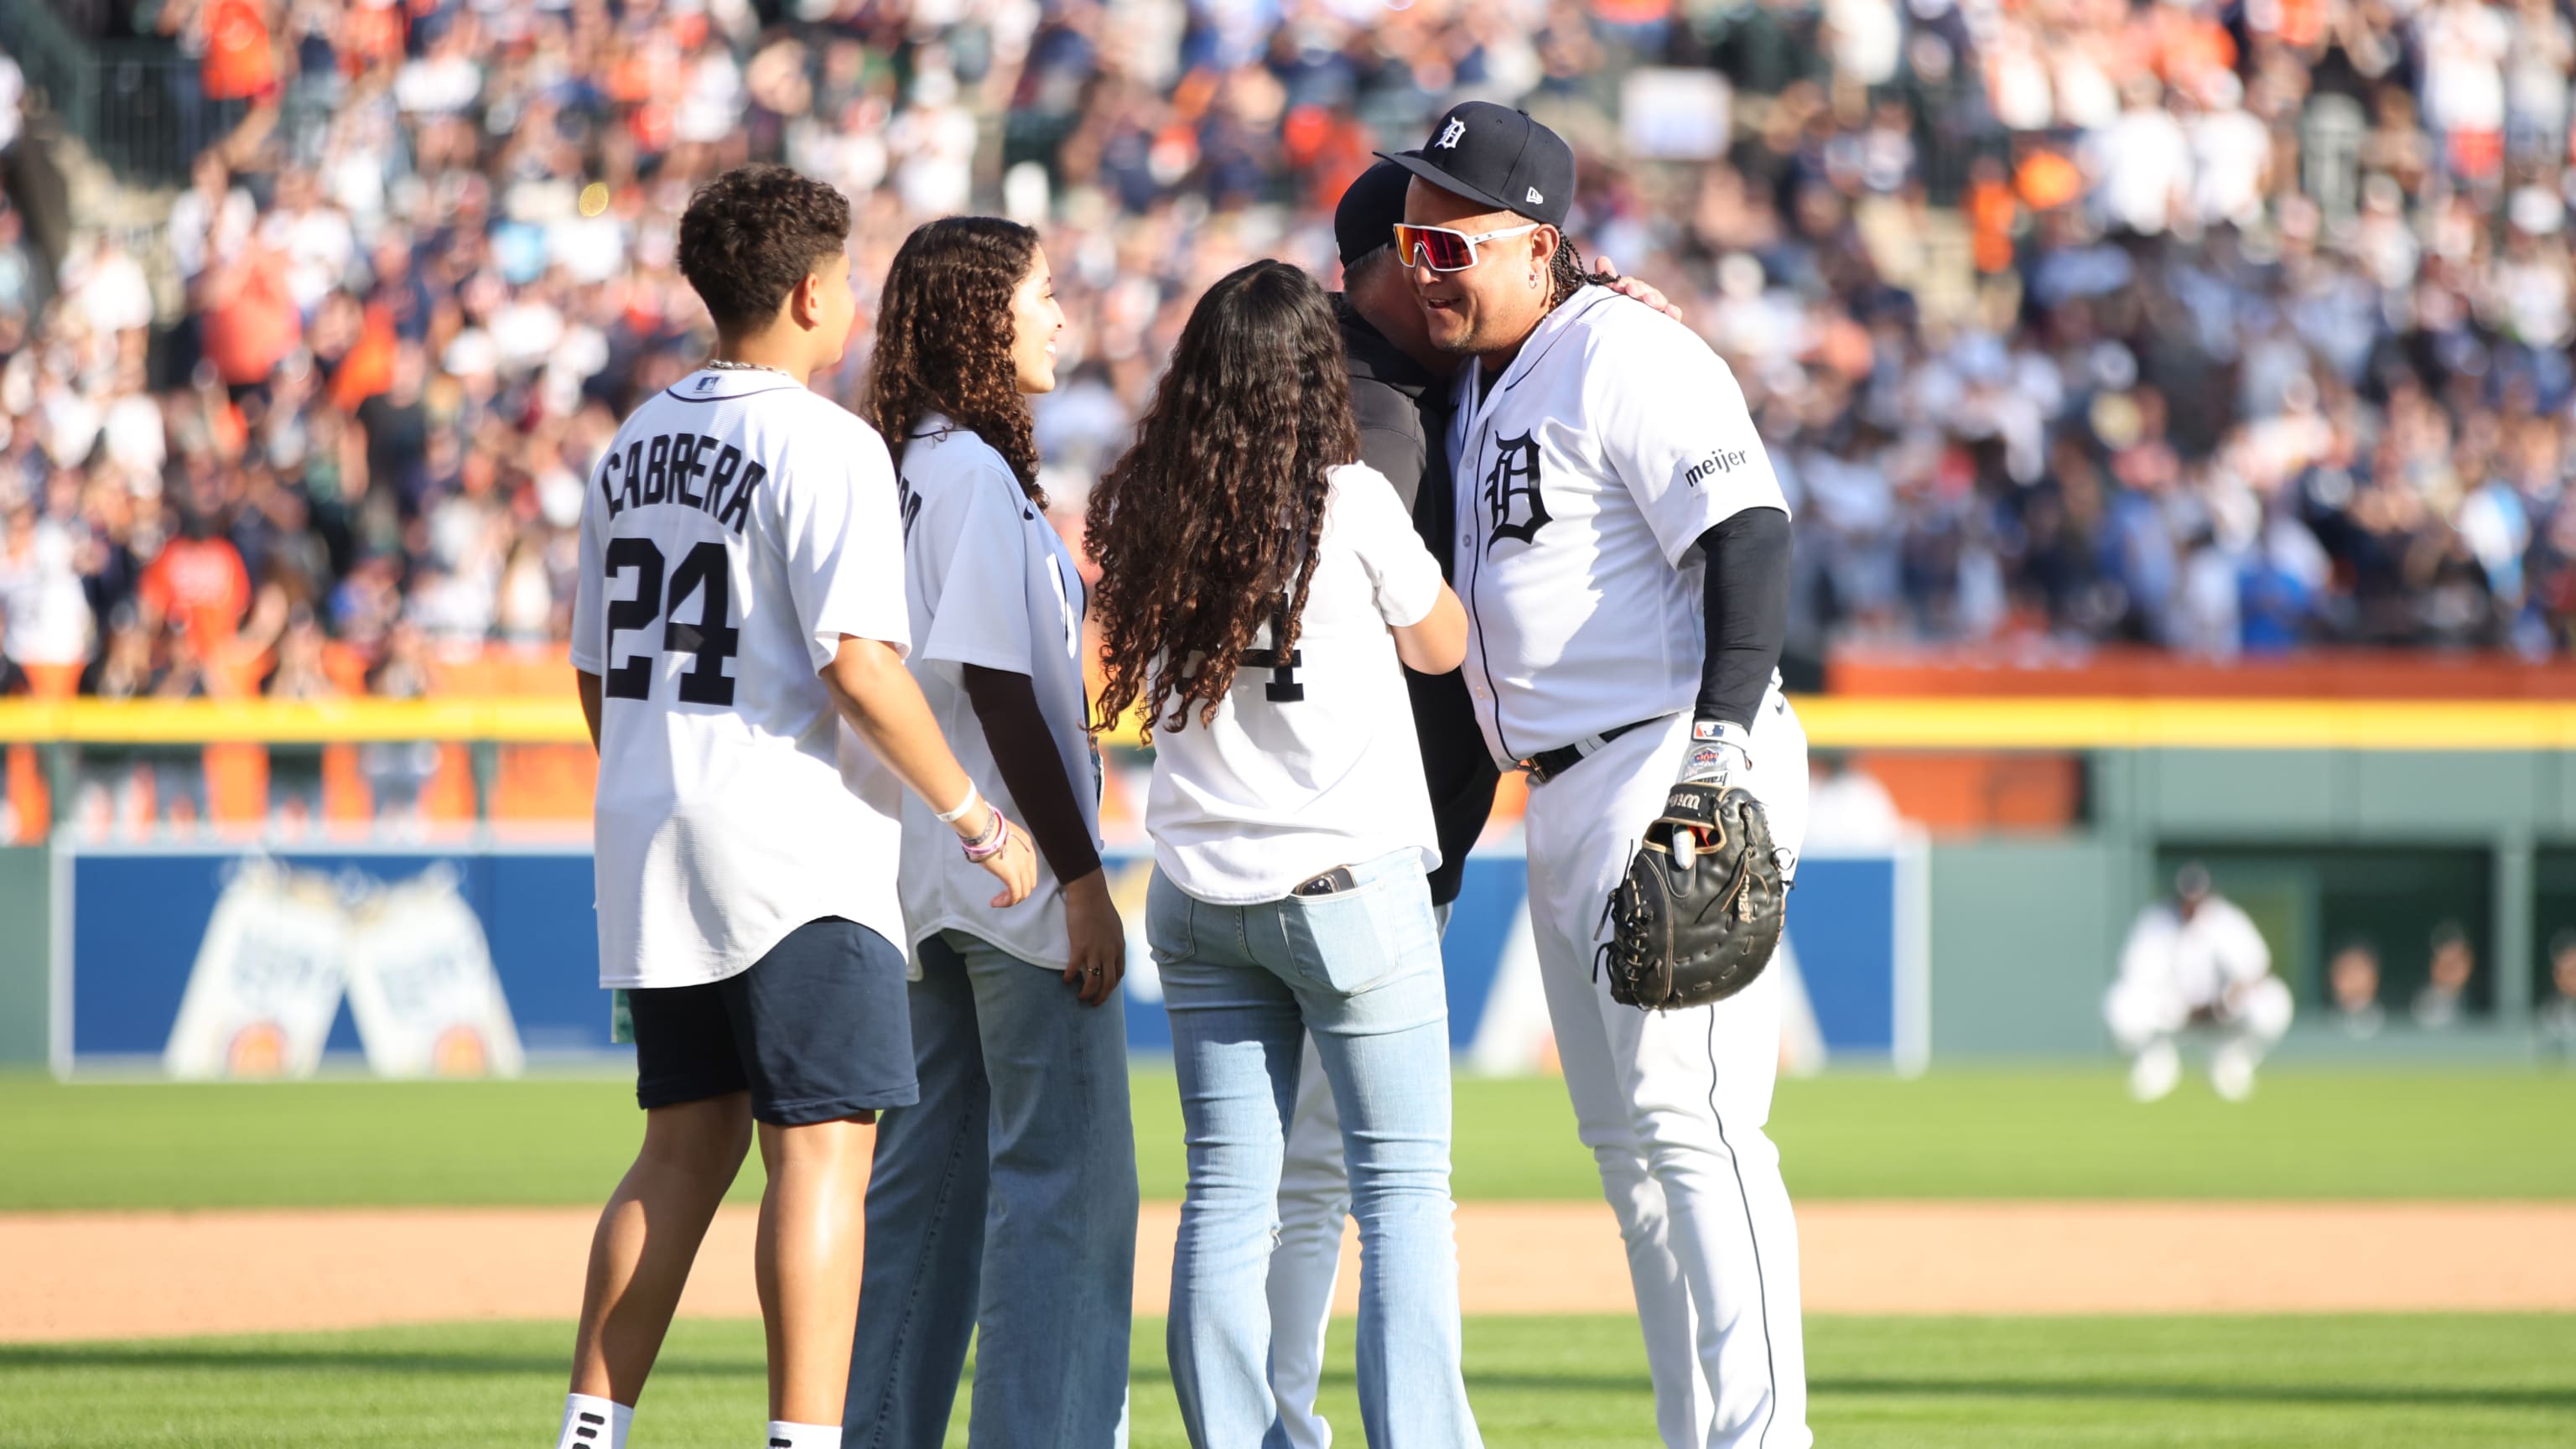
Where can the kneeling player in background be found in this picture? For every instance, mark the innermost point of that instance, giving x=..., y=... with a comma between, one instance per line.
x=2195, y=960
x=741, y=598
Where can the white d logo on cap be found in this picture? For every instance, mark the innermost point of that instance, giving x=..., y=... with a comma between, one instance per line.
x=1451, y=135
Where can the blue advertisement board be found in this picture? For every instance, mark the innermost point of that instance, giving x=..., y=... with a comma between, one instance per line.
x=136, y=925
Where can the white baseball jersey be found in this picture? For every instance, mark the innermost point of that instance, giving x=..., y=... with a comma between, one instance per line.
x=991, y=584
x=736, y=529
x=2194, y=963
x=1313, y=765
x=1585, y=473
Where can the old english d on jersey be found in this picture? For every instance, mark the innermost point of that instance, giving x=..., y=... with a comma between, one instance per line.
x=734, y=531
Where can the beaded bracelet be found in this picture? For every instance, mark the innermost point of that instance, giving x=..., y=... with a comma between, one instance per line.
x=984, y=838
x=993, y=842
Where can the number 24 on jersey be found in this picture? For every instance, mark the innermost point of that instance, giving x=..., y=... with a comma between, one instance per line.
x=705, y=571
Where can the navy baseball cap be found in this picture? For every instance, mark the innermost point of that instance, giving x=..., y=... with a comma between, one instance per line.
x=1370, y=210
x=1499, y=156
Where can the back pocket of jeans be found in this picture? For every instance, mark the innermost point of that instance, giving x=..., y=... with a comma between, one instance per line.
x=1344, y=942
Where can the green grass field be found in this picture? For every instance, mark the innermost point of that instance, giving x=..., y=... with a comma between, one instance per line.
x=1993, y=1133
x=2261, y=1383
x=2422, y=1382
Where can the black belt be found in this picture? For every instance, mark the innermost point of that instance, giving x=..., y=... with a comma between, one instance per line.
x=1546, y=765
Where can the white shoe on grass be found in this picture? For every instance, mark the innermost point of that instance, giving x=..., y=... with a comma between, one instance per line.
x=2153, y=1076
x=2231, y=1073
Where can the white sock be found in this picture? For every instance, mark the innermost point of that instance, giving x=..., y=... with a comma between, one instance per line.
x=594, y=1423
x=783, y=1435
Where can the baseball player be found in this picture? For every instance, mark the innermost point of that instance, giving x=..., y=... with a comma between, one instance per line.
x=742, y=599
x=2195, y=960
x=1623, y=552
x=1400, y=398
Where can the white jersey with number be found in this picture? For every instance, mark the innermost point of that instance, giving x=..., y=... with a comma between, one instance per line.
x=1585, y=473
x=736, y=529
x=992, y=585
x=1312, y=765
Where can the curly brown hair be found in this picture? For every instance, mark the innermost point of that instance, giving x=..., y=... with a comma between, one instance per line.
x=944, y=335
x=749, y=236
x=1207, y=527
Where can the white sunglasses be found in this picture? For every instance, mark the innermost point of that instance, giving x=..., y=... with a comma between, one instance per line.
x=1443, y=249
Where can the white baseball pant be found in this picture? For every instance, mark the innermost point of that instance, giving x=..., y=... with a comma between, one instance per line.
x=1673, y=1104
x=2144, y=1013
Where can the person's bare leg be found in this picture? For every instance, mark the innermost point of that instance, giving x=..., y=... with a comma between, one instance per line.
x=808, y=1262
x=647, y=1238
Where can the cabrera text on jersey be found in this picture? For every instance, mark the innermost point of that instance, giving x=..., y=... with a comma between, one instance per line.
x=734, y=531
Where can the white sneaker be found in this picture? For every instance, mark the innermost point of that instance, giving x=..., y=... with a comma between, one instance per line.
x=2156, y=1072
x=2231, y=1073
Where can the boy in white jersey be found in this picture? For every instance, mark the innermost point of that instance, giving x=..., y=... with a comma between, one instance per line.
x=1623, y=552
x=741, y=600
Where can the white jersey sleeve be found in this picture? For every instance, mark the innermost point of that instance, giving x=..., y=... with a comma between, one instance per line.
x=974, y=543
x=1674, y=425
x=2237, y=943
x=586, y=601
x=840, y=543
x=2147, y=954
x=1403, y=576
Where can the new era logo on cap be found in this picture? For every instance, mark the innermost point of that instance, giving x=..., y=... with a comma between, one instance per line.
x=1500, y=157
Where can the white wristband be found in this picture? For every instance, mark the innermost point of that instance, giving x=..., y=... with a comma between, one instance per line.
x=951, y=817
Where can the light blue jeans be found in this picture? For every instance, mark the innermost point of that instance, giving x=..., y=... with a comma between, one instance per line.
x=1360, y=969
x=1003, y=1209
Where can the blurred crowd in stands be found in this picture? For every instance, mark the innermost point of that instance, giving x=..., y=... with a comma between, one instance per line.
x=2225, y=327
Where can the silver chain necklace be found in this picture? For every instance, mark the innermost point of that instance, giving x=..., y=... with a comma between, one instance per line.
x=722, y=364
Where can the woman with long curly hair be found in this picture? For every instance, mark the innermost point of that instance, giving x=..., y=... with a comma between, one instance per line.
x=1260, y=585
x=1003, y=1207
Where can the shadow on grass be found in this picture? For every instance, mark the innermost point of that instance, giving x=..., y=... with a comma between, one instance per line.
x=431, y=1362
x=2392, y=1396
x=302, y=1360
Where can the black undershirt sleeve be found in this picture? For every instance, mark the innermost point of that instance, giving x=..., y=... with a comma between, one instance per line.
x=1025, y=752
x=1747, y=596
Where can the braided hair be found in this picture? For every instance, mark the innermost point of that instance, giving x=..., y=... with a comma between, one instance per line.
x=1566, y=273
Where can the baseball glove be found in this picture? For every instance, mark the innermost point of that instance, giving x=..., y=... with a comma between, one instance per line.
x=1696, y=922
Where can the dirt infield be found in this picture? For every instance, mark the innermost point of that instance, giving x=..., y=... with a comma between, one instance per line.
x=118, y=1275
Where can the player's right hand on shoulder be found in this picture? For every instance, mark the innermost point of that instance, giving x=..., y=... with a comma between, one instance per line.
x=1016, y=867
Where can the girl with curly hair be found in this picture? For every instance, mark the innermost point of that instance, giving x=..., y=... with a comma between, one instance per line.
x=1003, y=1207
x=1260, y=586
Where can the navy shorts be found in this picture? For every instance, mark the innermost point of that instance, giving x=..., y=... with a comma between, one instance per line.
x=818, y=1030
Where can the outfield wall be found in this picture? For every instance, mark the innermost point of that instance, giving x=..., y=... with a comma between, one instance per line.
x=214, y=960
x=26, y=937
x=2329, y=820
